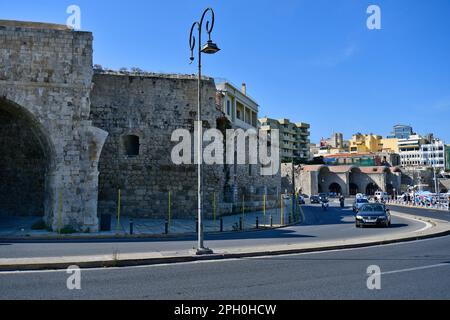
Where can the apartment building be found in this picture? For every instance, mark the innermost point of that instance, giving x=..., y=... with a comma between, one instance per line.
x=294, y=138
x=433, y=154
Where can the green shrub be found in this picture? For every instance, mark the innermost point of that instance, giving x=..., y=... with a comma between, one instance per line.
x=68, y=230
x=39, y=225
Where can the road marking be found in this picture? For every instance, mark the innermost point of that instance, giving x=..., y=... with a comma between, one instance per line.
x=440, y=265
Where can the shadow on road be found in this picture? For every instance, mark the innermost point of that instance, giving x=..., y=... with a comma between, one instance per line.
x=248, y=235
x=315, y=215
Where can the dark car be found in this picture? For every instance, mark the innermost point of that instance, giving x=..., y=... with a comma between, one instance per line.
x=323, y=197
x=315, y=200
x=373, y=214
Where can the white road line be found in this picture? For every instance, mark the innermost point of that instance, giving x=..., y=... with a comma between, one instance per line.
x=417, y=268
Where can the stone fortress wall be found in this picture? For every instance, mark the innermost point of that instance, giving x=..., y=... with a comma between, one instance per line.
x=72, y=138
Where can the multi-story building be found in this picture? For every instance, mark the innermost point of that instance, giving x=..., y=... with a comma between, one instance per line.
x=336, y=141
x=410, y=154
x=390, y=145
x=433, y=154
x=402, y=132
x=447, y=157
x=363, y=143
x=418, y=151
x=238, y=106
x=294, y=138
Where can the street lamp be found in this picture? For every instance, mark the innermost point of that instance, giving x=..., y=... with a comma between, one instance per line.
x=209, y=48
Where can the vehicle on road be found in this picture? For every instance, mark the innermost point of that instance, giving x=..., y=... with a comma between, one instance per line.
x=360, y=195
x=381, y=196
x=373, y=214
x=314, y=200
x=359, y=202
x=325, y=204
x=323, y=197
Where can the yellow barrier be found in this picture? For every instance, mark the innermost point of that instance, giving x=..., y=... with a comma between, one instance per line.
x=118, y=211
x=170, y=209
x=60, y=203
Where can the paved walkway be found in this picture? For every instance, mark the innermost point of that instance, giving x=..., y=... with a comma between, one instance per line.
x=21, y=226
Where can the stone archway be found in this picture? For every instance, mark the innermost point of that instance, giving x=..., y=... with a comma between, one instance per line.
x=26, y=164
x=335, y=188
x=371, y=189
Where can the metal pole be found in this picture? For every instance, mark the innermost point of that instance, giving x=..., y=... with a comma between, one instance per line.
x=200, y=245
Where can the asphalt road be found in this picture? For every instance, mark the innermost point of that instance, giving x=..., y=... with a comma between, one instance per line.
x=318, y=226
x=414, y=270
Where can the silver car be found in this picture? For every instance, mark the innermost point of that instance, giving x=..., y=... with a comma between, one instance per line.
x=359, y=202
x=373, y=214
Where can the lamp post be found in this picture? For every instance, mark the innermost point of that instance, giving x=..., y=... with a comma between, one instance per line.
x=209, y=48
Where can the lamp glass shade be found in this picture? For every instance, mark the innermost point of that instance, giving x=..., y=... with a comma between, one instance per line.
x=210, y=48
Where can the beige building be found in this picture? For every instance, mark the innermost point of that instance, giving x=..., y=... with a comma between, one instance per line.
x=294, y=138
x=390, y=145
x=239, y=108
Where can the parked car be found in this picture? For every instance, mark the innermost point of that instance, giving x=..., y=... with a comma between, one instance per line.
x=314, y=200
x=373, y=214
x=359, y=202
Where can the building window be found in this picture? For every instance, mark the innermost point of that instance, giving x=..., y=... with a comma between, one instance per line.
x=229, y=108
x=131, y=145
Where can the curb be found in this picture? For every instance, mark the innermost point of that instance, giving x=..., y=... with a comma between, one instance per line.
x=108, y=263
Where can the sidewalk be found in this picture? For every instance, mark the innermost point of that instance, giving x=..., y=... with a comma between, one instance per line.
x=20, y=227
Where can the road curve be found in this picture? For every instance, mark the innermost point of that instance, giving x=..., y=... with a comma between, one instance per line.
x=319, y=226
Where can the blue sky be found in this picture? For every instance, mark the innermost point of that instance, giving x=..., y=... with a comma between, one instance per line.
x=308, y=60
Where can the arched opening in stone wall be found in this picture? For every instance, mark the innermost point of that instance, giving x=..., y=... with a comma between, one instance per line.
x=353, y=189
x=390, y=189
x=335, y=188
x=371, y=189
x=26, y=158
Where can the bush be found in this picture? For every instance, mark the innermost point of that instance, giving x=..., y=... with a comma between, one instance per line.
x=68, y=230
x=39, y=225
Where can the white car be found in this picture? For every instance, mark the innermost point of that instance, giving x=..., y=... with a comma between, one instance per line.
x=381, y=196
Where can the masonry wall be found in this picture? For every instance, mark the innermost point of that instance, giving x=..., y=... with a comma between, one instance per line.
x=45, y=80
x=151, y=108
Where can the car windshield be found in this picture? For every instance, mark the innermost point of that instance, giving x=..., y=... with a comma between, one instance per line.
x=362, y=201
x=372, y=208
